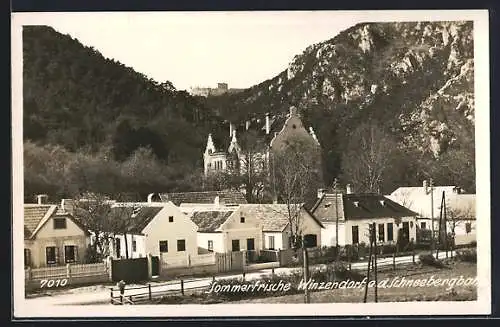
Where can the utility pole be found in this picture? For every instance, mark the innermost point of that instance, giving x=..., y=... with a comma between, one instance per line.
x=372, y=262
x=369, y=264
x=336, y=222
x=431, y=190
x=375, y=261
x=307, y=298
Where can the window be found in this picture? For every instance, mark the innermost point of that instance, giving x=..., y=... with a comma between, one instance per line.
x=381, y=233
x=51, y=255
x=250, y=244
x=59, y=223
x=170, y=219
x=181, y=245
x=211, y=246
x=163, y=246
x=310, y=240
x=134, y=246
x=468, y=228
x=423, y=225
x=242, y=219
x=390, y=232
x=271, y=242
x=235, y=245
x=355, y=234
x=69, y=253
x=27, y=258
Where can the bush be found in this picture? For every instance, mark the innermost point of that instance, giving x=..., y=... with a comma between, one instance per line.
x=467, y=255
x=430, y=260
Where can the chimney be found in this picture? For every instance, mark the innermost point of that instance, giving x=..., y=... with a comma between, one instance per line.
x=41, y=198
x=67, y=205
x=348, y=189
x=150, y=197
x=425, y=186
x=321, y=192
x=268, y=125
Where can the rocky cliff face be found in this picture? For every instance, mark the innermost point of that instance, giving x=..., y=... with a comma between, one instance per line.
x=417, y=78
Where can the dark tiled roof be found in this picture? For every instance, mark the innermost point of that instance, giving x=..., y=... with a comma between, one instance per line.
x=359, y=206
x=325, y=208
x=209, y=221
x=134, y=219
x=226, y=197
x=33, y=215
x=370, y=206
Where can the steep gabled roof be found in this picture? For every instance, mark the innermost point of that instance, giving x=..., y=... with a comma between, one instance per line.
x=209, y=221
x=136, y=217
x=226, y=197
x=36, y=215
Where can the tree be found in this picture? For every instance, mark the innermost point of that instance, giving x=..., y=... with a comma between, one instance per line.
x=297, y=177
x=95, y=213
x=369, y=158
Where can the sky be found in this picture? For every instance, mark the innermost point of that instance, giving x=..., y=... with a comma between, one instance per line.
x=202, y=48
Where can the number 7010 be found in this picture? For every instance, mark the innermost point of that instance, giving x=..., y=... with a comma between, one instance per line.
x=53, y=282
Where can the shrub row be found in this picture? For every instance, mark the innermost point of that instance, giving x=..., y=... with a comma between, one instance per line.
x=467, y=255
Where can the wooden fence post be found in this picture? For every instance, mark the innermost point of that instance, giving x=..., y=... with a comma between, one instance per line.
x=111, y=294
x=149, y=290
x=394, y=261
x=109, y=267
x=413, y=255
x=182, y=286
x=68, y=271
x=150, y=265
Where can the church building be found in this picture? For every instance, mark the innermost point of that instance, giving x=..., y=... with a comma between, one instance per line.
x=274, y=131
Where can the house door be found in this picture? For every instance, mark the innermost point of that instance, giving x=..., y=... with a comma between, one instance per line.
x=250, y=244
x=155, y=265
x=404, y=235
x=235, y=245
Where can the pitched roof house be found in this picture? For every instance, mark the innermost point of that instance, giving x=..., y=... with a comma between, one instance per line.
x=224, y=228
x=276, y=225
x=155, y=228
x=52, y=236
x=356, y=211
x=427, y=202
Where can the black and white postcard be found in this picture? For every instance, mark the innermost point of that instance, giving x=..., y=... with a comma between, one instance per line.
x=278, y=163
